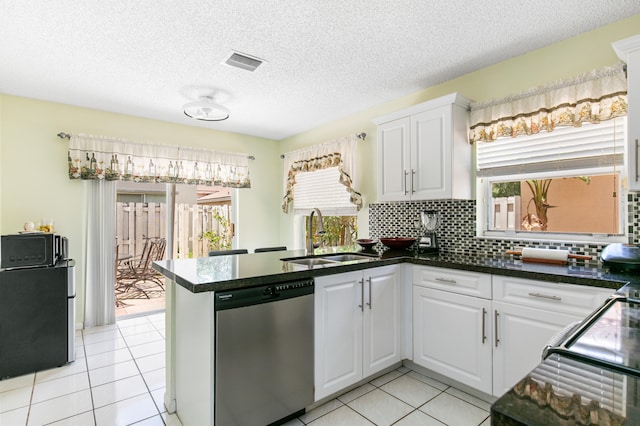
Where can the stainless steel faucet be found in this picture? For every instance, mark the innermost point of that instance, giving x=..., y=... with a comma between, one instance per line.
x=310, y=228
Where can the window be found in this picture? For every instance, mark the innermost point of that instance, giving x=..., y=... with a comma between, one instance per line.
x=322, y=189
x=339, y=230
x=565, y=182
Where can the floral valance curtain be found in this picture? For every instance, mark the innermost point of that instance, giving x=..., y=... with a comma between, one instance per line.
x=100, y=157
x=339, y=153
x=592, y=97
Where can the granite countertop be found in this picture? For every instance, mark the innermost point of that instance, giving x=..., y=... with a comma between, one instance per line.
x=218, y=273
x=564, y=391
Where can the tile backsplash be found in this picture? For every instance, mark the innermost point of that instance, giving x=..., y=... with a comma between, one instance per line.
x=457, y=233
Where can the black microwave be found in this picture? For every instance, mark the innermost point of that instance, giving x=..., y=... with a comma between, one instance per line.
x=31, y=250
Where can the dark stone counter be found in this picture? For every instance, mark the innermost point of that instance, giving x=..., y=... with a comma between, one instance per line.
x=563, y=391
x=246, y=270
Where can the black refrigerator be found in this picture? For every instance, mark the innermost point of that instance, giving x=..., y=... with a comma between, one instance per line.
x=37, y=318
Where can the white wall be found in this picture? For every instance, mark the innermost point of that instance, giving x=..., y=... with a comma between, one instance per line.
x=34, y=181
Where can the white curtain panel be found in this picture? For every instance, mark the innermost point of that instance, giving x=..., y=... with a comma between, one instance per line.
x=100, y=254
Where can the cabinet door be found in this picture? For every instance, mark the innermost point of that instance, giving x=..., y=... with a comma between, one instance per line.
x=628, y=50
x=382, y=319
x=452, y=336
x=393, y=160
x=338, y=332
x=520, y=335
x=633, y=124
x=431, y=154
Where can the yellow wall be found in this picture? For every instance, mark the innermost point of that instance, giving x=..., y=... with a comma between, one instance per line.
x=562, y=60
x=34, y=182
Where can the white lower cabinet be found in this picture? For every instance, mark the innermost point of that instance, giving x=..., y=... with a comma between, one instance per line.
x=357, y=326
x=526, y=315
x=490, y=344
x=520, y=334
x=451, y=336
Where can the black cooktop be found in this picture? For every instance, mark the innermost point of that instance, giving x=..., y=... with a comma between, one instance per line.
x=611, y=338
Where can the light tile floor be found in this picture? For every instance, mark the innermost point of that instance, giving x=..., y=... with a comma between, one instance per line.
x=404, y=398
x=118, y=378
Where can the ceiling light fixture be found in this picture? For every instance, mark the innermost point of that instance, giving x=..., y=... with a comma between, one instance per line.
x=206, y=110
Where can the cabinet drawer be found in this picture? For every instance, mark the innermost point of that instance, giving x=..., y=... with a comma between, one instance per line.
x=454, y=281
x=559, y=297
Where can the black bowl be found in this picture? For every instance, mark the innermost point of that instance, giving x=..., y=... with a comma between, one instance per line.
x=398, y=242
x=366, y=243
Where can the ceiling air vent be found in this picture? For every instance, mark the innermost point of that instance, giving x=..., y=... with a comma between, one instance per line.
x=242, y=61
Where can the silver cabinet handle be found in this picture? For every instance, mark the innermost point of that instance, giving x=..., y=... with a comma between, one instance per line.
x=406, y=173
x=545, y=296
x=413, y=173
x=446, y=280
x=370, y=294
x=361, y=305
x=495, y=323
x=484, y=323
x=636, y=159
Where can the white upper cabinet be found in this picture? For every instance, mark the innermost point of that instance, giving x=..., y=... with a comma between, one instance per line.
x=628, y=50
x=394, y=160
x=424, y=153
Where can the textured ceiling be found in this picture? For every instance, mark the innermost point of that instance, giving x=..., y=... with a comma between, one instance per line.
x=326, y=59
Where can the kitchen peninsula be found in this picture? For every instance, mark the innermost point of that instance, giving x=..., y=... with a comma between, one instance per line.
x=191, y=321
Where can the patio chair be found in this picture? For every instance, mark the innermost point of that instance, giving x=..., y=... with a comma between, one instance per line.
x=138, y=270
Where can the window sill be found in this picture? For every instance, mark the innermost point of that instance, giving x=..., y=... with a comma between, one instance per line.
x=554, y=237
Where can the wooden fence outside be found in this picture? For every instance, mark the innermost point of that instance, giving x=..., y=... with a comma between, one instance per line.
x=137, y=221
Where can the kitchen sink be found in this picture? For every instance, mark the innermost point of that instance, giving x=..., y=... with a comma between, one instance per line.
x=328, y=259
x=309, y=261
x=346, y=257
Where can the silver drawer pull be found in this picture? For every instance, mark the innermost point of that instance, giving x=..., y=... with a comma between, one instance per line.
x=445, y=280
x=495, y=324
x=545, y=296
x=484, y=324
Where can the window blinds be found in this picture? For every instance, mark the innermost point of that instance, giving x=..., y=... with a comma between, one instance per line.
x=322, y=189
x=566, y=148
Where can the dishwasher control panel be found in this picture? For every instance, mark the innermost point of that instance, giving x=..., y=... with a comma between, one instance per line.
x=295, y=284
x=230, y=299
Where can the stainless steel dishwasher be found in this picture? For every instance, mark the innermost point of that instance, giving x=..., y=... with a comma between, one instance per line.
x=263, y=353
